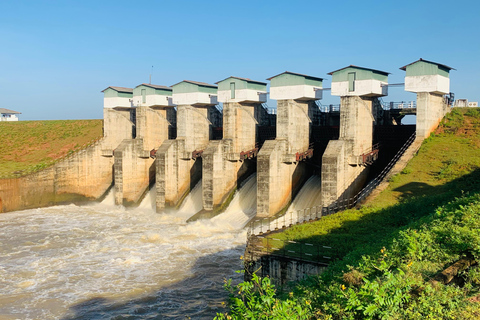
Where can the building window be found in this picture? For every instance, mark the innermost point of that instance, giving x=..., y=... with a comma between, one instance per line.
x=351, y=81
x=144, y=95
x=232, y=90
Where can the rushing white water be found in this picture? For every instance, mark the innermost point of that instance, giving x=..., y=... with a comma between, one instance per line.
x=193, y=202
x=308, y=197
x=149, y=201
x=243, y=206
x=105, y=262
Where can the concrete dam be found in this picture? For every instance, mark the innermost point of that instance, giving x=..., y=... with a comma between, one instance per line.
x=171, y=138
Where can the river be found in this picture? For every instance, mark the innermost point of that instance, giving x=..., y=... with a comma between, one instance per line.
x=102, y=261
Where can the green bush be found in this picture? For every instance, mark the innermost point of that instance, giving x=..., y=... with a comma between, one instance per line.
x=392, y=283
x=257, y=299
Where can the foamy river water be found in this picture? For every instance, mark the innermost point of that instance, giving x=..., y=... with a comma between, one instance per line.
x=106, y=262
x=102, y=261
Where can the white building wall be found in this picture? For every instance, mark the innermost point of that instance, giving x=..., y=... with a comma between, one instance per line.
x=362, y=88
x=8, y=117
x=243, y=95
x=153, y=100
x=431, y=83
x=299, y=92
x=116, y=102
x=192, y=98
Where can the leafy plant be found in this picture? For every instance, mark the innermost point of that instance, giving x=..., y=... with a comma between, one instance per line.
x=256, y=299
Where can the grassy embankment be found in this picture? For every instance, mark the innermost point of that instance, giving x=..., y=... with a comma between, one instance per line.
x=28, y=146
x=392, y=248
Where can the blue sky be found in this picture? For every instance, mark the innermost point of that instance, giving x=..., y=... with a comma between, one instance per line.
x=57, y=56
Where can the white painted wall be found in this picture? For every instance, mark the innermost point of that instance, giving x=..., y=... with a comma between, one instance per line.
x=431, y=83
x=113, y=102
x=299, y=92
x=243, y=95
x=362, y=88
x=192, y=98
x=153, y=100
x=8, y=117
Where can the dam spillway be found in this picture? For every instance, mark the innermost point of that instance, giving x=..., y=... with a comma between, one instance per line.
x=173, y=137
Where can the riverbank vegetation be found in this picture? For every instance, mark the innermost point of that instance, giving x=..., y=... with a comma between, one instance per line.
x=410, y=253
x=32, y=145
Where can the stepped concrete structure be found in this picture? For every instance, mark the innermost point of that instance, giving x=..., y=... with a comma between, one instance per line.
x=344, y=171
x=178, y=162
x=279, y=173
x=154, y=113
x=430, y=81
x=173, y=136
x=226, y=162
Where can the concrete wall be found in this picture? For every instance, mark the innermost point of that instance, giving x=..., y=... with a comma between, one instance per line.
x=176, y=175
x=117, y=126
x=280, y=270
x=342, y=172
x=176, y=171
x=194, y=126
x=112, y=102
x=85, y=175
x=278, y=174
x=296, y=92
x=369, y=87
x=293, y=124
x=134, y=169
x=242, y=95
x=431, y=108
x=428, y=83
x=222, y=168
x=192, y=98
x=134, y=172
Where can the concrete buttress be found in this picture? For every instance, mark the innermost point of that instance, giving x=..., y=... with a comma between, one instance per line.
x=279, y=174
x=343, y=173
x=222, y=167
x=176, y=170
x=431, y=108
x=134, y=168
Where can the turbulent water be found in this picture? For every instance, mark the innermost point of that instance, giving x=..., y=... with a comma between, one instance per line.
x=309, y=196
x=299, y=210
x=105, y=262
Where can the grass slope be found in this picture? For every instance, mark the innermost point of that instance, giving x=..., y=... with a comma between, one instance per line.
x=444, y=168
x=30, y=145
x=393, y=247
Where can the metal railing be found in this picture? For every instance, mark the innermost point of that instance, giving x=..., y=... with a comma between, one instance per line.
x=399, y=105
x=269, y=110
x=327, y=108
x=261, y=226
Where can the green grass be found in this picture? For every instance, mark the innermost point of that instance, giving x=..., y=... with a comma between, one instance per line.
x=445, y=167
x=390, y=249
x=33, y=145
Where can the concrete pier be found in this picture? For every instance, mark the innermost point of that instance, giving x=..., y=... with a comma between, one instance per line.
x=134, y=168
x=344, y=171
x=279, y=171
x=430, y=81
x=178, y=162
x=223, y=166
x=431, y=108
